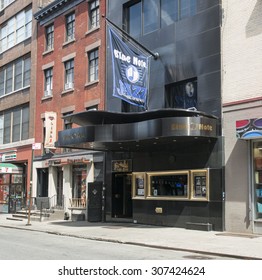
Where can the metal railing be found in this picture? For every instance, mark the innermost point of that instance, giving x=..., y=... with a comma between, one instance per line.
x=77, y=203
x=48, y=202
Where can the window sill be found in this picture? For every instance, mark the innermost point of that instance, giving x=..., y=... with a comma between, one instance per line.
x=47, y=52
x=70, y=90
x=47, y=97
x=91, y=83
x=92, y=30
x=68, y=42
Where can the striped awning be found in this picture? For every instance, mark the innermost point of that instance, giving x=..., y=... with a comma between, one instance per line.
x=10, y=168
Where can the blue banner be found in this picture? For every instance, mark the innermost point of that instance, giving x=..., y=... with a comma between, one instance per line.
x=130, y=71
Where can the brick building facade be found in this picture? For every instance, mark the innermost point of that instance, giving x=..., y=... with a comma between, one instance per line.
x=70, y=79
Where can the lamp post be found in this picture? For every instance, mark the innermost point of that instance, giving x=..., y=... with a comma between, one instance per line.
x=30, y=189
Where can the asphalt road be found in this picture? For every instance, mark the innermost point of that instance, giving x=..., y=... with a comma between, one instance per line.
x=19, y=244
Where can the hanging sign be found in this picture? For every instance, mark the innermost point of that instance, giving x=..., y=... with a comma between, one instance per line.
x=130, y=71
x=50, y=127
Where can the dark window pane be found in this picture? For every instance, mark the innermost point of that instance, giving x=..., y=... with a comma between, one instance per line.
x=169, y=12
x=135, y=20
x=151, y=15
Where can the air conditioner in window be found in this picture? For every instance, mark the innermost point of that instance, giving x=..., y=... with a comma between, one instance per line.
x=69, y=86
x=48, y=92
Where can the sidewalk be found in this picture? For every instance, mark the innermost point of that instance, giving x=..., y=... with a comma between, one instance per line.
x=211, y=242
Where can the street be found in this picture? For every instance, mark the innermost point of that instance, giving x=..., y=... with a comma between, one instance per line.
x=19, y=244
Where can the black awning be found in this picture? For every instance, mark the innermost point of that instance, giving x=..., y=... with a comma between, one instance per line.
x=154, y=130
x=106, y=117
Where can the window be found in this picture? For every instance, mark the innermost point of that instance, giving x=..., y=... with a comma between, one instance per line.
x=171, y=185
x=187, y=8
x=15, y=75
x=67, y=125
x=16, y=30
x=92, y=108
x=14, y=125
x=174, y=185
x=151, y=15
x=5, y=3
x=1, y=128
x=49, y=34
x=93, y=65
x=48, y=82
x=169, y=12
x=70, y=27
x=69, y=74
x=182, y=95
x=18, y=81
x=257, y=173
x=144, y=16
x=94, y=14
x=79, y=185
x=135, y=20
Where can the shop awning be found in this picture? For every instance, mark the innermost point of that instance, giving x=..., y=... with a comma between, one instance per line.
x=153, y=130
x=10, y=168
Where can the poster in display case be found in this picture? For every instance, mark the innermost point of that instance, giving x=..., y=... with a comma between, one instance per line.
x=139, y=185
x=200, y=184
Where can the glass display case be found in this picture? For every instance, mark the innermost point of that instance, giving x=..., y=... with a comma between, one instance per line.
x=172, y=185
x=199, y=183
x=139, y=185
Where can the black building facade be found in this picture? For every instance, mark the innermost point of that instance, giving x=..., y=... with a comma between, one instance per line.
x=163, y=164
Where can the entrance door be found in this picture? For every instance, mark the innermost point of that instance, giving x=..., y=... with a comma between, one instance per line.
x=15, y=198
x=122, y=196
x=42, y=182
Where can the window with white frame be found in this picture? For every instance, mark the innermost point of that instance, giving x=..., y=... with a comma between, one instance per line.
x=49, y=35
x=93, y=65
x=15, y=75
x=48, y=82
x=69, y=74
x=5, y=3
x=94, y=14
x=70, y=27
x=14, y=125
x=16, y=30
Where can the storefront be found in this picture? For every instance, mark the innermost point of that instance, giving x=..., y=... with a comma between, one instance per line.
x=12, y=188
x=64, y=178
x=251, y=131
x=163, y=167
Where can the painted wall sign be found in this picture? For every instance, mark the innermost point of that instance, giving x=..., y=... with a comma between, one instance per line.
x=249, y=128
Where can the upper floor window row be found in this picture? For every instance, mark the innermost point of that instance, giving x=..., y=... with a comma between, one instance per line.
x=145, y=16
x=16, y=30
x=15, y=75
x=70, y=25
x=5, y=3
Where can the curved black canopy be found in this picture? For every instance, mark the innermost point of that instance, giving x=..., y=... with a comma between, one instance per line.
x=151, y=130
x=105, y=117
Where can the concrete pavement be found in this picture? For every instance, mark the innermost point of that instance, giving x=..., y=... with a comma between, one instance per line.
x=211, y=242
